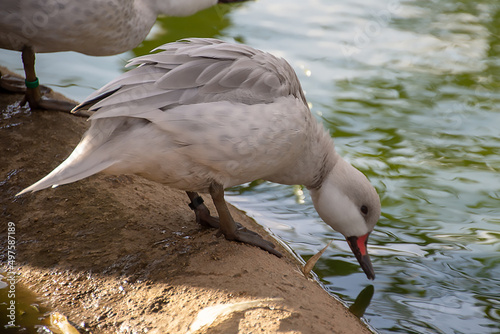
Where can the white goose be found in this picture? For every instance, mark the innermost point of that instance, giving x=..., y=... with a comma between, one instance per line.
x=204, y=115
x=92, y=27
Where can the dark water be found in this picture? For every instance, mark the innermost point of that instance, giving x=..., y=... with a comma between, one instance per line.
x=27, y=315
x=410, y=91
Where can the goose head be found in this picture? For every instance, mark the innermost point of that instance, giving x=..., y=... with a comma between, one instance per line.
x=350, y=205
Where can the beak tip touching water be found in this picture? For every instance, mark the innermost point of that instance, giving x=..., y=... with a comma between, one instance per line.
x=367, y=267
x=358, y=247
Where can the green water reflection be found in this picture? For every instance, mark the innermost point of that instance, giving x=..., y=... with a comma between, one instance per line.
x=362, y=302
x=28, y=315
x=207, y=23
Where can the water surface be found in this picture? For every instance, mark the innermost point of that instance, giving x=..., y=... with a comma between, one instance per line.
x=410, y=91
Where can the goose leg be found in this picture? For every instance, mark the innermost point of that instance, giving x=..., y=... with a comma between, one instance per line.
x=201, y=211
x=230, y=229
x=33, y=94
x=14, y=84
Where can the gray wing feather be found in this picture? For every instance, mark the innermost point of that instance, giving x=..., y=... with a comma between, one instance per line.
x=195, y=71
x=212, y=70
x=143, y=74
x=185, y=75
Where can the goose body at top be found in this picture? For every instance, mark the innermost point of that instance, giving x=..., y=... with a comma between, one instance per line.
x=91, y=27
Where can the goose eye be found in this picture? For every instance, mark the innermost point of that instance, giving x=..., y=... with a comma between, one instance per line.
x=364, y=209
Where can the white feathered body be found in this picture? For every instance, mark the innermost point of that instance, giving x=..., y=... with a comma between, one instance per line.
x=202, y=111
x=93, y=27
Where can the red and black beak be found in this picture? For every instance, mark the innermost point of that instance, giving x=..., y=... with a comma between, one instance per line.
x=358, y=247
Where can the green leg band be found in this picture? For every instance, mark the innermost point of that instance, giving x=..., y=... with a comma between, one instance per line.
x=31, y=84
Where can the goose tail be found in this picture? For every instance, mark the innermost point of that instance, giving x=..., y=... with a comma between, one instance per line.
x=88, y=158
